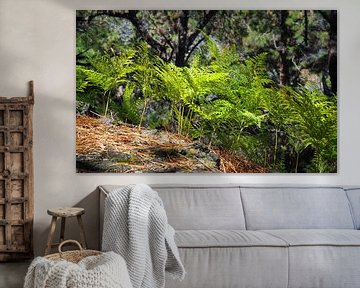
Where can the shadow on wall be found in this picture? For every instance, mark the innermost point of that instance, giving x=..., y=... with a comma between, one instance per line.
x=9, y=86
x=53, y=176
x=91, y=219
x=15, y=64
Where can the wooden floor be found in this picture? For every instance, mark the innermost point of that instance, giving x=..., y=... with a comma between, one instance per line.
x=12, y=274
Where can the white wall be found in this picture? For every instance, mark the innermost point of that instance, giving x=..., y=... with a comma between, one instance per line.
x=37, y=41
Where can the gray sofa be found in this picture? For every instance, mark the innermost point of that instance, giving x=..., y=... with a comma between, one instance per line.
x=242, y=236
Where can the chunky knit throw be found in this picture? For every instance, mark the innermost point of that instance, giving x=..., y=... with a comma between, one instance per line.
x=136, y=227
x=102, y=271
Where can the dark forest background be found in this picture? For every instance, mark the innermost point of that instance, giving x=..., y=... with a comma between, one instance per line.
x=259, y=83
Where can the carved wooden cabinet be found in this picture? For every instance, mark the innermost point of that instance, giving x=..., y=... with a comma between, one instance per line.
x=16, y=177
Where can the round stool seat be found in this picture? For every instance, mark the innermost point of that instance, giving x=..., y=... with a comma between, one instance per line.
x=66, y=211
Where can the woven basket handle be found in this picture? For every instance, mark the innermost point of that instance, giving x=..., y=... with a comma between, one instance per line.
x=69, y=241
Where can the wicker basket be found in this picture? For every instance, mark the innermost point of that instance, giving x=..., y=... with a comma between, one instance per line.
x=72, y=256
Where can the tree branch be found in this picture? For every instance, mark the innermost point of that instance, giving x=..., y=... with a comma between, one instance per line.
x=171, y=55
x=193, y=49
x=167, y=40
x=205, y=21
x=137, y=23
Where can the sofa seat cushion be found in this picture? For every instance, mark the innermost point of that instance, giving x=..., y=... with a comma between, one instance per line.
x=317, y=237
x=322, y=258
x=226, y=238
x=233, y=267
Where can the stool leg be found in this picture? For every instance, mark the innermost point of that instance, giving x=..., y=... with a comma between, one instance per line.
x=82, y=232
x=51, y=235
x=62, y=231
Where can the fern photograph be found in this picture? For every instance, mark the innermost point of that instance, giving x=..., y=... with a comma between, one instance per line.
x=206, y=91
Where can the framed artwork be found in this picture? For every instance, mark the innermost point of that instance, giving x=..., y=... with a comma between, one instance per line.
x=221, y=91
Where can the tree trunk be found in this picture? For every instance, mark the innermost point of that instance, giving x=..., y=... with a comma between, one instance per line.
x=331, y=18
x=306, y=28
x=182, y=39
x=332, y=53
x=284, y=39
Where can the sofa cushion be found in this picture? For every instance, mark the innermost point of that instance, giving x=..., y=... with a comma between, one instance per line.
x=322, y=258
x=226, y=238
x=191, y=207
x=204, y=208
x=296, y=208
x=324, y=266
x=317, y=237
x=354, y=198
x=223, y=267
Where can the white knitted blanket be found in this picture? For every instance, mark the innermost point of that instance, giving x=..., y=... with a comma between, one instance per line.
x=103, y=271
x=136, y=227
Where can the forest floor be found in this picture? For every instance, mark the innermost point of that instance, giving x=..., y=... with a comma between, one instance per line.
x=122, y=148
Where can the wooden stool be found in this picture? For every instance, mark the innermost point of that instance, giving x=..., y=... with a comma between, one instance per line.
x=64, y=213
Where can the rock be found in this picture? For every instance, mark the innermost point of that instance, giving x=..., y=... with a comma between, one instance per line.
x=116, y=157
x=166, y=152
x=201, y=147
x=93, y=163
